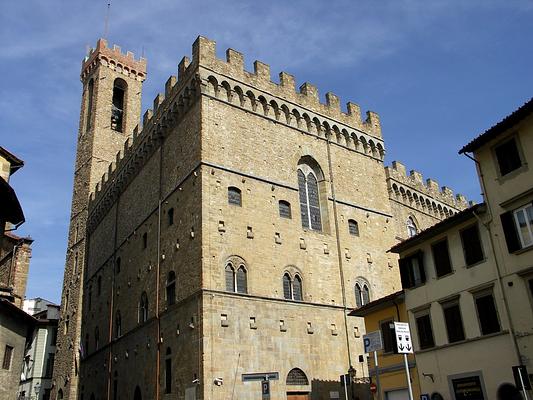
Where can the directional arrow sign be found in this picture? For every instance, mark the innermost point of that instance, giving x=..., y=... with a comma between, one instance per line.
x=403, y=338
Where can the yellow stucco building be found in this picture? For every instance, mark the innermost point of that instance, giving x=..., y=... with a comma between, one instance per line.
x=379, y=315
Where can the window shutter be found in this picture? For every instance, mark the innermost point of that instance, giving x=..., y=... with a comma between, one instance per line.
x=509, y=229
x=404, y=273
x=420, y=257
x=287, y=287
x=302, y=190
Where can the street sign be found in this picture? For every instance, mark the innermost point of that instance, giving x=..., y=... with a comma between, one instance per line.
x=424, y=397
x=372, y=341
x=260, y=376
x=265, y=390
x=403, y=338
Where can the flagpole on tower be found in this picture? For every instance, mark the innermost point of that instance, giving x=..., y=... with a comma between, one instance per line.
x=106, y=24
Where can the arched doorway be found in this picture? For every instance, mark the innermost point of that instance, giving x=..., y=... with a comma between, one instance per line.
x=60, y=394
x=297, y=385
x=137, y=394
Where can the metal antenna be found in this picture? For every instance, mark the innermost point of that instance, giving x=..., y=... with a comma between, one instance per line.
x=106, y=25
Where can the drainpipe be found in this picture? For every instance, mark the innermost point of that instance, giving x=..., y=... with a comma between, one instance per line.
x=496, y=262
x=341, y=271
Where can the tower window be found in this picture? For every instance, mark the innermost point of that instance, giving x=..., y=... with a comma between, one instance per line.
x=292, y=288
x=353, y=227
x=89, y=113
x=168, y=371
x=143, y=308
x=362, y=294
x=285, y=209
x=171, y=217
x=117, y=108
x=234, y=196
x=171, y=288
x=411, y=227
x=312, y=194
x=236, y=278
x=118, y=325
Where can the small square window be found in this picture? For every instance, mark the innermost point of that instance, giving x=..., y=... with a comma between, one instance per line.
x=285, y=209
x=234, y=196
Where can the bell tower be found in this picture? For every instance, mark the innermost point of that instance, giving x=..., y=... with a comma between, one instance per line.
x=110, y=110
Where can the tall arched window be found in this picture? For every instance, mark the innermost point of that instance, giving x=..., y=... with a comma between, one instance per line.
x=168, y=371
x=297, y=288
x=236, y=275
x=118, y=324
x=117, y=265
x=287, y=287
x=143, y=308
x=297, y=377
x=99, y=285
x=309, y=178
x=89, y=113
x=117, y=108
x=411, y=227
x=137, y=394
x=171, y=288
x=292, y=288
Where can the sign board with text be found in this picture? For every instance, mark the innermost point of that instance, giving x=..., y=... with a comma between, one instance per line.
x=403, y=338
x=265, y=390
x=372, y=341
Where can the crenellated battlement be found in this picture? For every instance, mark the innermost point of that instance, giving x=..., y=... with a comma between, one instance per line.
x=427, y=196
x=307, y=96
x=113, y=58
x=228, y=81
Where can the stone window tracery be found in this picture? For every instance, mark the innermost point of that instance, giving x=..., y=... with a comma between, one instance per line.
x=236, y=275
x=309, y=194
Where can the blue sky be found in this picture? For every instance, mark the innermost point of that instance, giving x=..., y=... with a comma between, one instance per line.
x=438, y=73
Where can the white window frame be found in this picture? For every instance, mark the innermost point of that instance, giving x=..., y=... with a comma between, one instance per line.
x=528, y=225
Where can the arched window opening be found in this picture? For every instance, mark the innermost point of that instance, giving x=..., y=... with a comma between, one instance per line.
x=285, y=209
x=234, y=196
x=168, y=371
x=353, y=227
x=171, y=288
x=309, y=176
x=297, y=377
x=366, y=295
x=67, y=321
x=137, y=394
x=89, y=112
x=230, y=281
x=99, y=285
x=96, y=338
x=75, y=268
x=297, y=288
x=412, y=230
x=60, y=394
x=292, y=288
x=90, y=297
x=236, y=278
x=118, y=325
x=117, y=108
x=287, y=287
x=358, y=296
x=241, y=280
x=117, y=265
x=143, y=308
x=171, y=217
x=362, y=294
